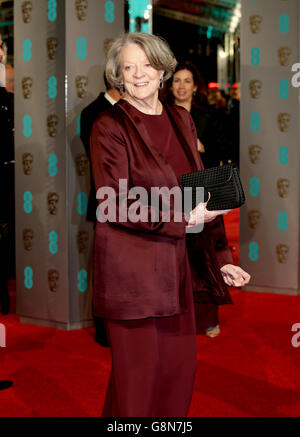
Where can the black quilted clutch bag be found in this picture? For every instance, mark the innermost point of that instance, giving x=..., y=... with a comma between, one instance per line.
x=222, y=182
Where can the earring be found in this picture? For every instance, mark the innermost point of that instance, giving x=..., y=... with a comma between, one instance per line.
x=122, y=88
x=194, y=93
x=161, y=82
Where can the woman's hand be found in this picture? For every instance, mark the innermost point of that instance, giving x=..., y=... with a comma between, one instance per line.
x=200, y=146
x=235, y=276
x=200, y=214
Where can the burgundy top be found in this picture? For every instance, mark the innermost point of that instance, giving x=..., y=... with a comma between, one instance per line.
x=165, y=140
x=162, y=134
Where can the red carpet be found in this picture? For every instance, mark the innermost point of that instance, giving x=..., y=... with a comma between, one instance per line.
x=251, y=369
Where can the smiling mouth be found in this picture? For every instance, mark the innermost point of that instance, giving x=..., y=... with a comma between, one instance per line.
x=141, y=84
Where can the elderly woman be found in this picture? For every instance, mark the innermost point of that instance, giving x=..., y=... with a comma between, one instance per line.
x=142, y=281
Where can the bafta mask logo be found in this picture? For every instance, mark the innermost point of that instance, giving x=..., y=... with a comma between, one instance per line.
x=53, y=199
x=81, y=86
x=27, y=162
x=81, y=7
x=27, y=83
x=282, y=251
x=254, y=218
x=28, y=239
x=52, y=44
x=52, y=122
x=283, y=186
x=27, y=11
x=254, y=153
x=106, y=45
x=255, y=23
x=255, y=87
x=284, y=120
x=284, y=54
x=82, y=241
x=53, y=278
x=82, y=164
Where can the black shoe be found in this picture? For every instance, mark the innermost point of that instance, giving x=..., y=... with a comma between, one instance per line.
x=100, y=332
x=5, y=384
x=4, y=299
x=102, y=340
x=5, y=307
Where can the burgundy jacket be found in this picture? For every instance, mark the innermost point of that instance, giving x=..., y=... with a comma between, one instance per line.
x=136, y=265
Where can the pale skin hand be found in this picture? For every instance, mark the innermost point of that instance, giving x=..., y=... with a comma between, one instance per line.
x=234, y=276
x=200, y=146
x=201, y=215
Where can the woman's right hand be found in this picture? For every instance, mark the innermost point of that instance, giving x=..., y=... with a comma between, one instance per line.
x=200, y=214
x=200, y=146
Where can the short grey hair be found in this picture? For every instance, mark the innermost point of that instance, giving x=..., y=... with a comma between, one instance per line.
x=156, y=49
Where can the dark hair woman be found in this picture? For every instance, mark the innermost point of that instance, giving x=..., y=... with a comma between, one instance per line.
x=187, y=88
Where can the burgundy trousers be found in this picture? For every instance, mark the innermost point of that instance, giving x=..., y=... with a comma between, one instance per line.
x=153, y=365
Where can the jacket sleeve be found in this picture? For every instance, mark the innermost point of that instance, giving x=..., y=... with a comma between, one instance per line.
x=110, y=164
x=85, y=130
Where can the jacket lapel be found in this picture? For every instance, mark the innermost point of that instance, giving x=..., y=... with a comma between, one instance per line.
x=184, y=134
x=181, y=130
x=139, y=126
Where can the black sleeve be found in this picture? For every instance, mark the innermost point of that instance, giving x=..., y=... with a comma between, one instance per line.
x=85, y=131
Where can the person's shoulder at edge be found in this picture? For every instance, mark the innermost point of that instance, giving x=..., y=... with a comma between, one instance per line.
x=93, y=105
x=110, y=115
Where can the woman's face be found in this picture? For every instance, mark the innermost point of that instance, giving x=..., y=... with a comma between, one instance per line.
x=141, y=80
x=183, y=86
